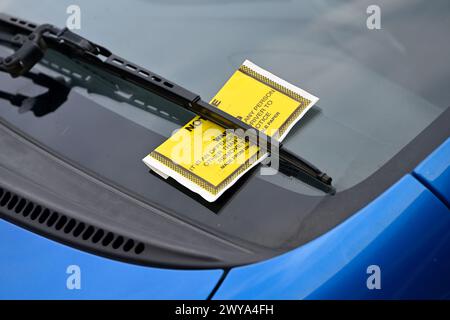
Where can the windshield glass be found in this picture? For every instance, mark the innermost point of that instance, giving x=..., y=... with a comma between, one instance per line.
x=378, y=89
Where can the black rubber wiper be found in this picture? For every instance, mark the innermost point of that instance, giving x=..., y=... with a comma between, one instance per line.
x=33, y=40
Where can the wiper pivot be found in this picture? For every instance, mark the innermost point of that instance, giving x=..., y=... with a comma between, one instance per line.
x=30, y=52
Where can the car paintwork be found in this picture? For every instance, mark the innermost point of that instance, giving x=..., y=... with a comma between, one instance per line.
x=434, y=172
x=33, y=267
x=405, y=232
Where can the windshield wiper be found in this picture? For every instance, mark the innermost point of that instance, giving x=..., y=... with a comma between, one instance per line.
x=33, y=40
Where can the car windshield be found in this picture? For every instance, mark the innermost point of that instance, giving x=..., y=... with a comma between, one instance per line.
x=378, y=89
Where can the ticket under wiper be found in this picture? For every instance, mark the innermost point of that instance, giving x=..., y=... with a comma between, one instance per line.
x=208, y=159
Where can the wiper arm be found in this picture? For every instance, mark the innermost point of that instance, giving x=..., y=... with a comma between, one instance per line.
x=33, y=41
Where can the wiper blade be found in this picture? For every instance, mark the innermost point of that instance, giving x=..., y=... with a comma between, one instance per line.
x=33, y=40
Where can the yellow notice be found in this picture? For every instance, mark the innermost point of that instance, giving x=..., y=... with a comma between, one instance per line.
x=208, y=159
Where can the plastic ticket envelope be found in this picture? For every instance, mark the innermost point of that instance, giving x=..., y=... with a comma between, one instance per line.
x=207, y=158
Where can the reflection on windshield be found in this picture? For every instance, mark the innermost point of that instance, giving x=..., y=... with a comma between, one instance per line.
x=55, y=94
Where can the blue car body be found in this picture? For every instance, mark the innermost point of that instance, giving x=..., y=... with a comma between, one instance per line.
x=404, y=233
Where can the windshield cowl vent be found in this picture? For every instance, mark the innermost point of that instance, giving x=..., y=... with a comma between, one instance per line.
x=63, y=226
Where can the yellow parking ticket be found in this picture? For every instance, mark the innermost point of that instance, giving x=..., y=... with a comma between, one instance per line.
x=208, y=159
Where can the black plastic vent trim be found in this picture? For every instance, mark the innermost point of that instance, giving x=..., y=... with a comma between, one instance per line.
x=60, y=223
